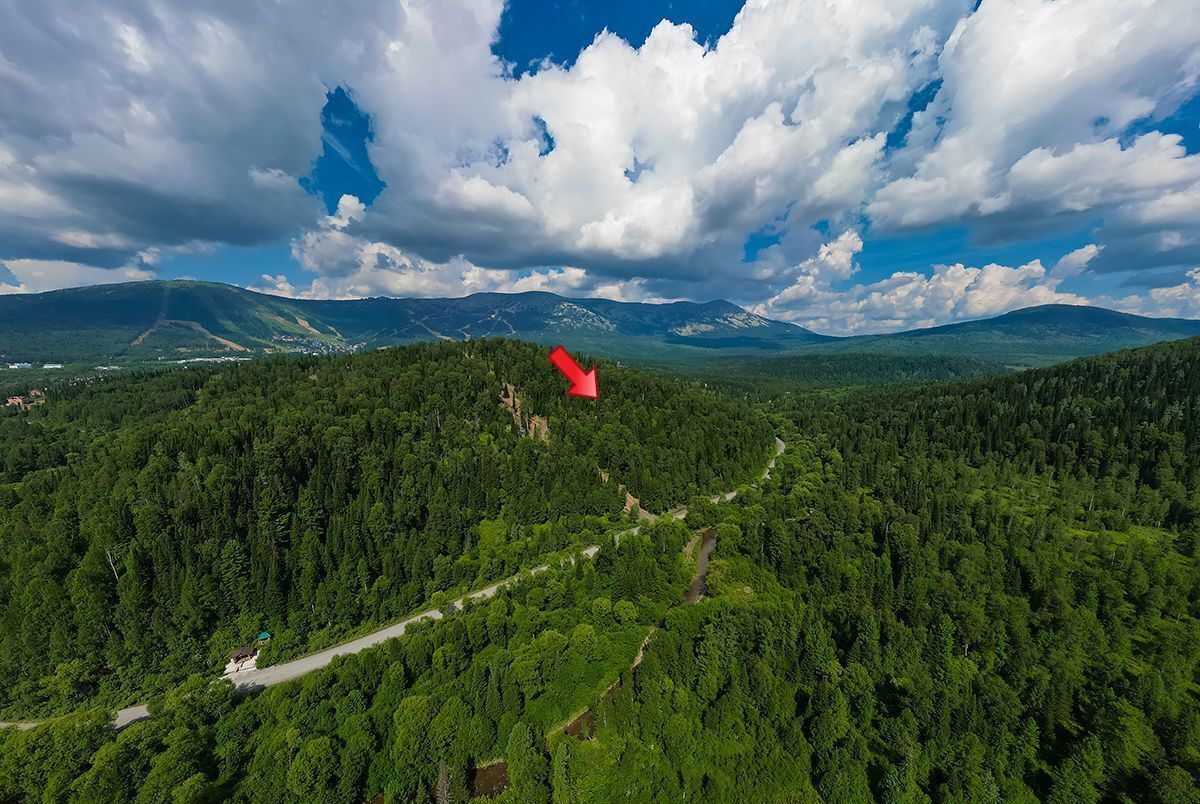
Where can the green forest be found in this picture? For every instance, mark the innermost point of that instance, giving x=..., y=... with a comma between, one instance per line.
x=973, y=590
x=152, y=525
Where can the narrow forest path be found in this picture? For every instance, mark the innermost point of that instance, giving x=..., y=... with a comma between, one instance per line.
x=580, y=724
x=258, y=678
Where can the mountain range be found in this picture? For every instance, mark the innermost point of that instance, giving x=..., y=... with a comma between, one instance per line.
x=139, y=322
x=1033, y=336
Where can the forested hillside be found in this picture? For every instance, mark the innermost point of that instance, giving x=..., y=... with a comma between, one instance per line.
x=977, y=591
x=151, y=525
x=972, y=592
x=773, y=377
x=988, y=592
x=405, y=720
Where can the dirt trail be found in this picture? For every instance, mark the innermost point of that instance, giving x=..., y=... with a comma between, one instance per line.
x=699, y=583
x=162, y=316
x=581, y=725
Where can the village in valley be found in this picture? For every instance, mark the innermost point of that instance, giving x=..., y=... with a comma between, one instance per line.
x=29, y=373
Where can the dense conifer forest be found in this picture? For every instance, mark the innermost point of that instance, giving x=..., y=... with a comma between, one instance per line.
x=982, y=590
x=773, y=377
x=152, y=525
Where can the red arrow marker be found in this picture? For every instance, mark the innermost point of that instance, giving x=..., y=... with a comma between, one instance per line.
x=581, y=384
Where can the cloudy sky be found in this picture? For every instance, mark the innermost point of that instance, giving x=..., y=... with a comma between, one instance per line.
x=849, y=165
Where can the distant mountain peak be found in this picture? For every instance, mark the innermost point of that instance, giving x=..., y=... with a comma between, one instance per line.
x=573, y=316
x=1030, y=336
x=739, y=320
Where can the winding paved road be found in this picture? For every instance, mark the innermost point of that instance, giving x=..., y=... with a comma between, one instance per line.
x=262, y=677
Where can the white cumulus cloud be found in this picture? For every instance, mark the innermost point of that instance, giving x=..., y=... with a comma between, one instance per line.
x=133, y=127
x=908, y=299
x=36, y=276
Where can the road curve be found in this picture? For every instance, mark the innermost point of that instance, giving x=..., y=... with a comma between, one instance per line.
x=261, y=677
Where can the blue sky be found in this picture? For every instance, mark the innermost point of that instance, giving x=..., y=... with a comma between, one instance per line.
x=531, y=31
x=851, y=166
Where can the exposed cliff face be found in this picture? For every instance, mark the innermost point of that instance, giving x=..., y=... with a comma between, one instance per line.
x=530, y=424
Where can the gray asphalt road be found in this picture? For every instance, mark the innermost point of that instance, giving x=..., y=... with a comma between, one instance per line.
x=259, y=678
x=288, y=671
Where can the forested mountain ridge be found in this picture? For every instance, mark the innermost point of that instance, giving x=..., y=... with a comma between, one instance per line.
x=178, y=319
x=985, y=590
x=772, y=377
x=311, y=494
x=147, y=323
